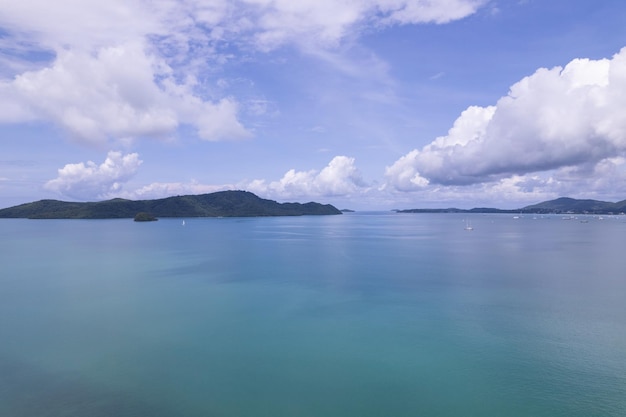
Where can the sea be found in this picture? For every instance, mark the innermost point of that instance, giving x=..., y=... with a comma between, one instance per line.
x=360, y=314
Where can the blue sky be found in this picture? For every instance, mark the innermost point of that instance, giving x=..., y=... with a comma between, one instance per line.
x=371, y=104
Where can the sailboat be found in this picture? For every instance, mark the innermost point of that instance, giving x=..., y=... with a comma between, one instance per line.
x=468, y=225
x=183, y=222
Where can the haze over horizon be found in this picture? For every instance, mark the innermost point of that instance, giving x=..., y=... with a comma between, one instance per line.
x=371, y=104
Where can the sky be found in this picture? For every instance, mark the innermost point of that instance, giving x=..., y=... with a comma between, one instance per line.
x=363, y=104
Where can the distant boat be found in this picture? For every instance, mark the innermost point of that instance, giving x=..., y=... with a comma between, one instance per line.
x=468, y=225
x=183, y=222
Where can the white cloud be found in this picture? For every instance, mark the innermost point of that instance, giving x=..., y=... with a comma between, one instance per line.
x=265, y=24
x=339, y=178
x=167, y=189
x=341, y=181
x=122, y=69
x=85, y=181
x=558, y=122
x=427, y=11
x=82, y=23
x=112, y=94
x=95, y=96
x=324, y=23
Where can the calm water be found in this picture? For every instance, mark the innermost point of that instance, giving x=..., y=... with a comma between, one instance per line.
x=354, y=315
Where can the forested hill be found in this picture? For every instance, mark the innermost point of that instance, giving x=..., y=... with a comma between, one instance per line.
x=560, y=205
x=565, y=204
x=219, y=204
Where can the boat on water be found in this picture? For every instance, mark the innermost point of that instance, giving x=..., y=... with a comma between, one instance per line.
x=183, y=222
x=468, y=225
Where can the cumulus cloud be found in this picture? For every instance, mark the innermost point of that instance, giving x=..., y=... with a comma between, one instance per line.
x=558, y=122
x=85, y=181
x=93, y=95
x=130, y=68
x=112, y=94
x=339, y=178
x=167, y=189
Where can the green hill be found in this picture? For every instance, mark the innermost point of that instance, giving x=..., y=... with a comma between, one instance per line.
x=560, y=205
x=219, y=204
x=565, y=205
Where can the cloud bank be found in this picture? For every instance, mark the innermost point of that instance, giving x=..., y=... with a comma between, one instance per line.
x=85, y=181
x=554, y=127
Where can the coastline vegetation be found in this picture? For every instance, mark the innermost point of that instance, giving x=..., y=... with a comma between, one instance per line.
x=563, y=205
x=219, y=204
x=142, y=216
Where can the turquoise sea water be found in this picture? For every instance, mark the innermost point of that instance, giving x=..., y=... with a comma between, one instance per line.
x=353, y=315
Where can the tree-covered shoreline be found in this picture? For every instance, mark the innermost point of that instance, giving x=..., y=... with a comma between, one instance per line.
x=219, y=204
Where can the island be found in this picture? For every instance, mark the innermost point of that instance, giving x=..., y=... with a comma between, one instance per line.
x=218, y=204
x=142, y=216
x=562, y=205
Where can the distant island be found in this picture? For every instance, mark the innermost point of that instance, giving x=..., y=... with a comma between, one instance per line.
x=563, y=205
x=219, y=204
x=145, y=217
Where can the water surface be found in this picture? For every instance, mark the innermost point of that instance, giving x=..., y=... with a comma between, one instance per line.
x=353, y=315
